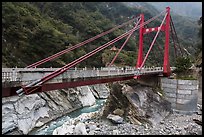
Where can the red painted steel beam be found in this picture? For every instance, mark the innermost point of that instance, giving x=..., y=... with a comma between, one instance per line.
x=11, y=91
x=149, y=30
x=54, y=86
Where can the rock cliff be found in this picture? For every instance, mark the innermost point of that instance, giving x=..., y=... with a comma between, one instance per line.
x=22, y=114
x=141, y=104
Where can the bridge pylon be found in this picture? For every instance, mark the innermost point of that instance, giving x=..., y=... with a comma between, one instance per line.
x=166, y=65
x=140, y=54
x=163, y=27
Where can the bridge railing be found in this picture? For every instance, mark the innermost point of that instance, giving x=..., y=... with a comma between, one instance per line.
x=31, y=74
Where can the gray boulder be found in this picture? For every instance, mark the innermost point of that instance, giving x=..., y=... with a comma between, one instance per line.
x=115, y=118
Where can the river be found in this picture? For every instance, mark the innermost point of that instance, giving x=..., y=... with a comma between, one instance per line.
x=48, y=128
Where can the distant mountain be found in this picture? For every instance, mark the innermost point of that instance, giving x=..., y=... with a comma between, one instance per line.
x=188, y=9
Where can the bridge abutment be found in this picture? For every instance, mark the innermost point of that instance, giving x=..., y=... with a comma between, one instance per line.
x=183, y=94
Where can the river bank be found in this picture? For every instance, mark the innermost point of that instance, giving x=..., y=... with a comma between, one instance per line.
x=48, y=128
x=92, y=124
x=141, y=111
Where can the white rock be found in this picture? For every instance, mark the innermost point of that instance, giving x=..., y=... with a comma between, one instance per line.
x=9, y=122
x=25, y=123
x=92, y=127
x=86, y=97
x=64, y=130
x=115, y=132
x=80, y=129
x=39, y=124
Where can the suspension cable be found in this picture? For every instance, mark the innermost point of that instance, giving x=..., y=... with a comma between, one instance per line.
x=78, y=45
x=66, y=67
x=156, y=43
x=73, y=63
x=174, y=30
x=153, y=50
x=186, y=51
x=123, y=44
x=112, y=41
x=146, y=22
x=175, y=46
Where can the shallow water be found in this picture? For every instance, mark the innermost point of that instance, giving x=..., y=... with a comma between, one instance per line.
x=47, y=129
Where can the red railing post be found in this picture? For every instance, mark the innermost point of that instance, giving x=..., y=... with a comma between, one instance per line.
x=166, y=66
x=140, y=50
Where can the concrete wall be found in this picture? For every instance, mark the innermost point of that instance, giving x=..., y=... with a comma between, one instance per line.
x=183, y=94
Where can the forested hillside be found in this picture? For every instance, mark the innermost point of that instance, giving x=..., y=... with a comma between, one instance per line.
x=32, y=31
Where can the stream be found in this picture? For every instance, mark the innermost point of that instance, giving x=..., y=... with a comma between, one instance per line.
x=48, y=128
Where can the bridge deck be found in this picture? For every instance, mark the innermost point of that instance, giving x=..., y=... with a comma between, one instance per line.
x=13, y=79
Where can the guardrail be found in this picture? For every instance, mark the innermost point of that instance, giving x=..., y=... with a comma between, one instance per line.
x=15, y=74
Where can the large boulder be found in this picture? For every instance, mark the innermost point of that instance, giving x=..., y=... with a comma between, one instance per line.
x=115, y=118
x=147, y=105
x=80, y=129
x=9, y=118
x=85, y=96
x=141, y=104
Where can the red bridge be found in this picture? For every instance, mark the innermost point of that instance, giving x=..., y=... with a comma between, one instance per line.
x=45, y=82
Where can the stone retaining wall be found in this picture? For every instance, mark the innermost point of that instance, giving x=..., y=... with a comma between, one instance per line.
x=183, y=94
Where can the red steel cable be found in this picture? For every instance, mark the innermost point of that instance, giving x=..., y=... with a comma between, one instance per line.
x=153, y=50
x=176, y=35
x=66, y=67
x=77, y=45
x=172, y=35
x=61, y=70
x=123, y=44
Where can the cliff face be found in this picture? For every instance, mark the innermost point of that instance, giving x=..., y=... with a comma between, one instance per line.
x=141, y=104
x=22, y=114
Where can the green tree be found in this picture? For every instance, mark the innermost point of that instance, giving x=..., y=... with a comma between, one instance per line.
x=183, y=64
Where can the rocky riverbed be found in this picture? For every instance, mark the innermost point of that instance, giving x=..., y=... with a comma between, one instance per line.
x=111, y=120
x=130, y=109
x=93, y=124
